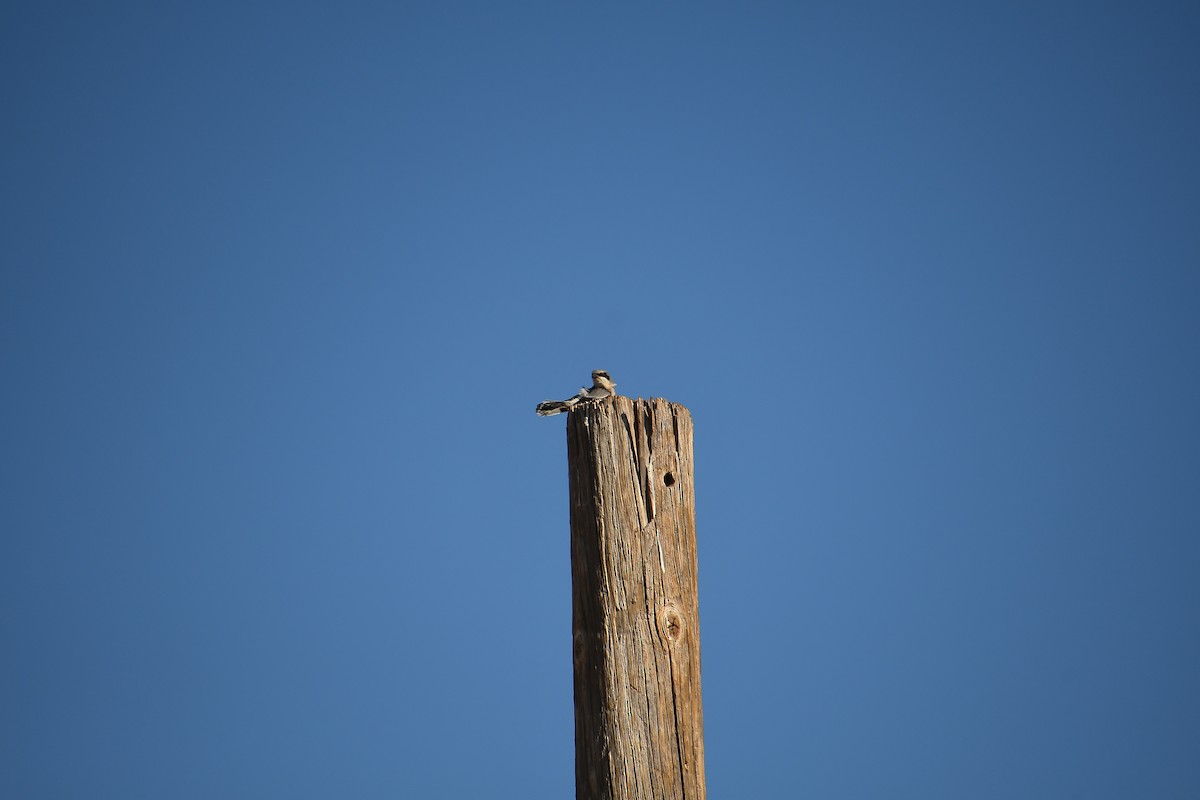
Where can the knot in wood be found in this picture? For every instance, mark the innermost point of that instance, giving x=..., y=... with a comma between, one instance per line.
x=578, y=649
x=670, y=623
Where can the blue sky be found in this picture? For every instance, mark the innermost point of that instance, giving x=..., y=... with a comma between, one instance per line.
x=282, y=284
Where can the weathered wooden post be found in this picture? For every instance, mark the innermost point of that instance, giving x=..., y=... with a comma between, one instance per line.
x=639, y=730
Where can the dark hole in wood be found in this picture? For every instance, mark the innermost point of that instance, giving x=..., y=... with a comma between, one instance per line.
x=669, y=479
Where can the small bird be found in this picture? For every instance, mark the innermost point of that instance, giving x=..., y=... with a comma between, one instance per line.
x=602, y=386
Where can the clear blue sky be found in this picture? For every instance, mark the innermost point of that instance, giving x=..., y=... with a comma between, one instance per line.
x=283, y=282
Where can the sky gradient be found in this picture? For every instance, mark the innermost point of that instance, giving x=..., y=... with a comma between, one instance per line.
x=282, y=283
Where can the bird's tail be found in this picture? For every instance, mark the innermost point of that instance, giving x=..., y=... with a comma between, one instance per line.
x=549, y=408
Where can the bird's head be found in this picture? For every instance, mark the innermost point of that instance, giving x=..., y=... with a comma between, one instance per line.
x=601, y=377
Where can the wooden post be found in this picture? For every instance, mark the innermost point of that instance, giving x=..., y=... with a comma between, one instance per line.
x=639, y=731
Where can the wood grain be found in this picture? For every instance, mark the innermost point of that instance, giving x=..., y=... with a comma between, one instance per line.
x=639, y=730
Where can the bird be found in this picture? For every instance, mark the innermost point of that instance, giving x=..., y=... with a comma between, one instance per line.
x=602, y=386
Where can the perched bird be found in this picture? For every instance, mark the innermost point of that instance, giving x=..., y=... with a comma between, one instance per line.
x=602, y=386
